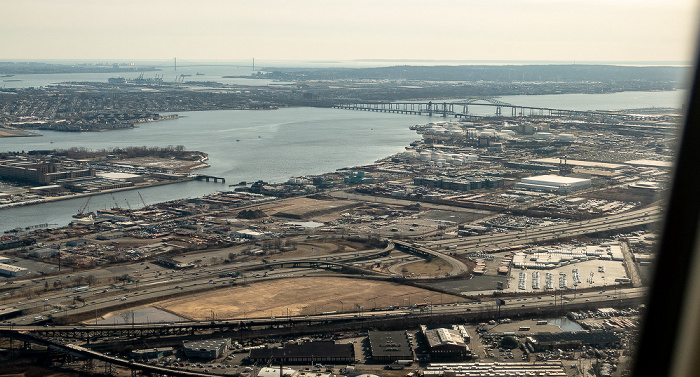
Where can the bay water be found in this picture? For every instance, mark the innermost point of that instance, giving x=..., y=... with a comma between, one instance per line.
x=272, y=145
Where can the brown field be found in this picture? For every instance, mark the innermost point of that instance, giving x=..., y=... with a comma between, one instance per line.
x=167, y=163
x=303, y=296
x=307, y=208
x=421, y=268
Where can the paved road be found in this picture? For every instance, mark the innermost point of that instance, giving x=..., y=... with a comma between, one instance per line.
x=539, y=234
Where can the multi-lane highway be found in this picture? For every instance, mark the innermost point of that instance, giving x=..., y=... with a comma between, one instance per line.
x=157, y=282
x=149, y=282
x=638, y=217
x=548, y=300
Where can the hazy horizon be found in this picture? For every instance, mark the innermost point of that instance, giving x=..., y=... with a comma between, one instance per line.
x=574, y=31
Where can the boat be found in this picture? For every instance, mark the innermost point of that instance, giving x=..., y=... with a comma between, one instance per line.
x=200, y=74
x=83, y=215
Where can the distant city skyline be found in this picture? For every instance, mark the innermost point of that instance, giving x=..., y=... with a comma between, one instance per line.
x=313, y=30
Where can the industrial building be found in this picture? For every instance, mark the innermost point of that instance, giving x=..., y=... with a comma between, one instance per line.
x=44, y=252
x=306, y=353
x=546, y=368
x=553, y=183
x=277, y=372
x=447, y=342
x=10, y=270
x=119, y=176
x=41, y=173
x=248, y=233
x=388, y=346
x=205, y=349
x=95, y=184
x=358, y=177
x=566, y=340
x=459, y=184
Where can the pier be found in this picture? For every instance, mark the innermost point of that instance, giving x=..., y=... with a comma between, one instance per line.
x=202, y=177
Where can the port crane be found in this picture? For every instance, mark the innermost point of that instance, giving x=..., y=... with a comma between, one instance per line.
x=81, y=211
x=142, y=201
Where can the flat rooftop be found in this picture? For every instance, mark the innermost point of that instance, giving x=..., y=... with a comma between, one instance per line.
x=588, y=164
x=390, y=344
x=554, y=179
x=651, y=163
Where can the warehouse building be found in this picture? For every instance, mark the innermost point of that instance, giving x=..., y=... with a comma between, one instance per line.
x=324, y=352
x=553, y=183
x=388, y=346
x=547, y=368
x=447, y=342
x=566, y=340
x=42, y=173
x=205, y=349
x=44, y=252
x=10, y=270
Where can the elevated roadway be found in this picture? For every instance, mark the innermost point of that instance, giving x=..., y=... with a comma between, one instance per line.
x=80, y=351
x=484, y=307
x=539, y=234
x=167, y=282
x=458, y=267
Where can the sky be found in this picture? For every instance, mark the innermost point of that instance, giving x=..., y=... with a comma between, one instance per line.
x=327, y=30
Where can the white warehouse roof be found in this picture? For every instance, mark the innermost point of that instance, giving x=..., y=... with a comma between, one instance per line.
x=554, y=180
x=553, y=183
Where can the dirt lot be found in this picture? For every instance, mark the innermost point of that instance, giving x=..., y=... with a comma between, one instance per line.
x=166, y=163
x=422, y=268
x=322, y=248
x=307, y=208
x=299, y=296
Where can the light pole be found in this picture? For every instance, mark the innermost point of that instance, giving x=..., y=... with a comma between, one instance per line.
x=341, y=306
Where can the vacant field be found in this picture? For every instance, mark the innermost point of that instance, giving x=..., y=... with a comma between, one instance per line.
x=299, y=296
x=323, y=248
x=436, y=267
x=165, y=163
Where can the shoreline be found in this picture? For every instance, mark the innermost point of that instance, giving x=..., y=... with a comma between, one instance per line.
x=84, y=195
